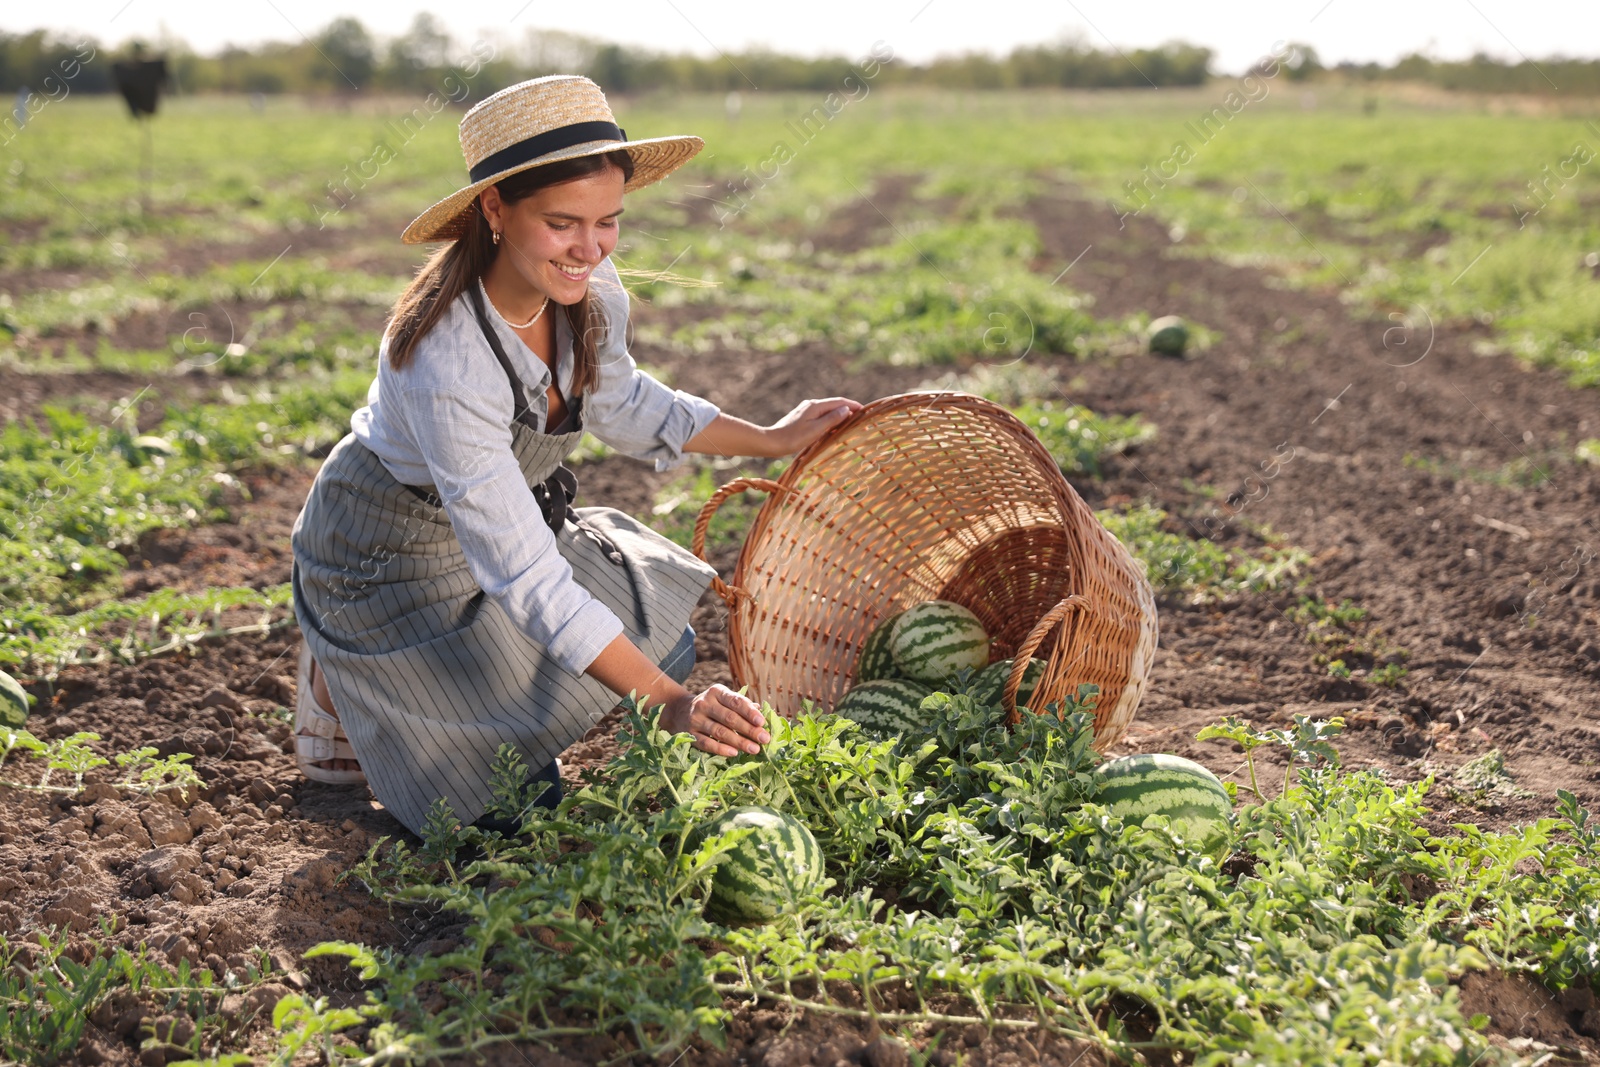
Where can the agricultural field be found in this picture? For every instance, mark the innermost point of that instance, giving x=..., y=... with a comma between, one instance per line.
x=1365, y=497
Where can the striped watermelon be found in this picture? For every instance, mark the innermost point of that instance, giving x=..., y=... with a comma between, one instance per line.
x=990, y=684
x=767, y=872
x=876, y=661
x=885, y=707
x=935, y=639
x=1158, y=784
x=13, y=702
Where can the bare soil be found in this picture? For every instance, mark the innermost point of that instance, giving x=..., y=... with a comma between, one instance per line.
x=1394, y=482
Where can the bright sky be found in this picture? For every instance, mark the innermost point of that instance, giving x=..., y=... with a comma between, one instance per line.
x=916, y=30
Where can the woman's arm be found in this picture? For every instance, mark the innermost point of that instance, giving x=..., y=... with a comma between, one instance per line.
x=721, y=721
x=626, y=408
x=512, y=554
x=730, y=436
x=639, y=416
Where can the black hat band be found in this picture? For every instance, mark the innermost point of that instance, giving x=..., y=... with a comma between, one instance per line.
x=543, y=144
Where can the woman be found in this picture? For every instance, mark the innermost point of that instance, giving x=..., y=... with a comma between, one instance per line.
x=451, y=598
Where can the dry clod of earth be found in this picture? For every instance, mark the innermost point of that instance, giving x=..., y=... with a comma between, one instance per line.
x=885, y=1052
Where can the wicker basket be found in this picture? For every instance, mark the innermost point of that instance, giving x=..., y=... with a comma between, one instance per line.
x=933, y=495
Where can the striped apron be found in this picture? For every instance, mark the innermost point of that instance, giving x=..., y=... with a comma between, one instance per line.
x=429, y=675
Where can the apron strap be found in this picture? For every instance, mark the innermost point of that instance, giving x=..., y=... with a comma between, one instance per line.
x=521, y=411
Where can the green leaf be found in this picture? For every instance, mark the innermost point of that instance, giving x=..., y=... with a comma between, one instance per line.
x=508, y=777
x=441, y=832
x=361, y=957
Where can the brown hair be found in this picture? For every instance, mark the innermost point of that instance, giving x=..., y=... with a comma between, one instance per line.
x=462, y=262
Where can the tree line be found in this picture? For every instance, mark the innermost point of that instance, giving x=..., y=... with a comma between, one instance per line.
x=345, y=57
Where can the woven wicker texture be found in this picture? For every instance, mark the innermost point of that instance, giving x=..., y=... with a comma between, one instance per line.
x=933, y=495
x=526, y=110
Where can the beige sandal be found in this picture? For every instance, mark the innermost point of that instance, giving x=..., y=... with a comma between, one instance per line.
x=318, y=736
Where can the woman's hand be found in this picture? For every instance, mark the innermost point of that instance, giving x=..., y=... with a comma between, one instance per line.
x=722, y=722
x=807, y=422
x=730, y=436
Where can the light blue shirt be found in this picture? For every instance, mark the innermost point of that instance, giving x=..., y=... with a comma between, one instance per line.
x=445, y=420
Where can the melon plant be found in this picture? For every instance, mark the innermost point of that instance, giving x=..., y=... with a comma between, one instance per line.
x=990, y=684
x=1135, y=787
x=13, y=702
x=886, y=706
x=933, y=640
x=768, y=870
x=876, y=660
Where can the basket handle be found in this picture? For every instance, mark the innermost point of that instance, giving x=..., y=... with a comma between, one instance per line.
x=1019, y=667
x=697, y=543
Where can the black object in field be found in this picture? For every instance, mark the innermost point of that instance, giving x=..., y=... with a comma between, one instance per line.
x=140, y=82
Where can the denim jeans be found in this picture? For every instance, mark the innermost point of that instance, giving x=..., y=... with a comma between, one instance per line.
x=545, y=784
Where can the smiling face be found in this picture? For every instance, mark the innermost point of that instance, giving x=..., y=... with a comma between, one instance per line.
x=554, y=238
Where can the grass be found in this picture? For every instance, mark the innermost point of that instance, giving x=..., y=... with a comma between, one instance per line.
x=1321, y=617
x=102, y=304
x=678, y=503
x=36, y=640
x=1391, y=675
x=940, y=291
x=1200, y=569
x=1420, y=209
x=144, y=770
x=52, y=993
x=213, y=157
x=950, y=269
x=1485, y=780
x=1347, y=644
x=1399, y=205
x=1524, y=472
x=76, y=494
x=1078, y=439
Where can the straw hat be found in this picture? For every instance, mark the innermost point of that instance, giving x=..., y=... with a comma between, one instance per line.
x=542, y=120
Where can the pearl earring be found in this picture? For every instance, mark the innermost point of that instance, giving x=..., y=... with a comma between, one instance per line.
x=497, y=237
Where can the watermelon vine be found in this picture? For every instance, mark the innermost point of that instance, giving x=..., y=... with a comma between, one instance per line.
x=972, y=877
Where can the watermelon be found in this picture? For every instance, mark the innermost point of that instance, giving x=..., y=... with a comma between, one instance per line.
x=140, y=450
x=885, y=707
x=158, y=445
x=935, y=639
x=13, y=702
x=767, y=872
x=876, y=661
x=1168, y=336
x=990, y=684
x=1134, y=787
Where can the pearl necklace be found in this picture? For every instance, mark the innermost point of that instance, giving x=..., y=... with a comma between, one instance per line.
x=514, y=325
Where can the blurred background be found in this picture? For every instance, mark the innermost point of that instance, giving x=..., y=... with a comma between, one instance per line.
x=294, y=46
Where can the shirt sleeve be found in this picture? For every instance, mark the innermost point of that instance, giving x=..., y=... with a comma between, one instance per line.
x=465, y=438
x=628, y=409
